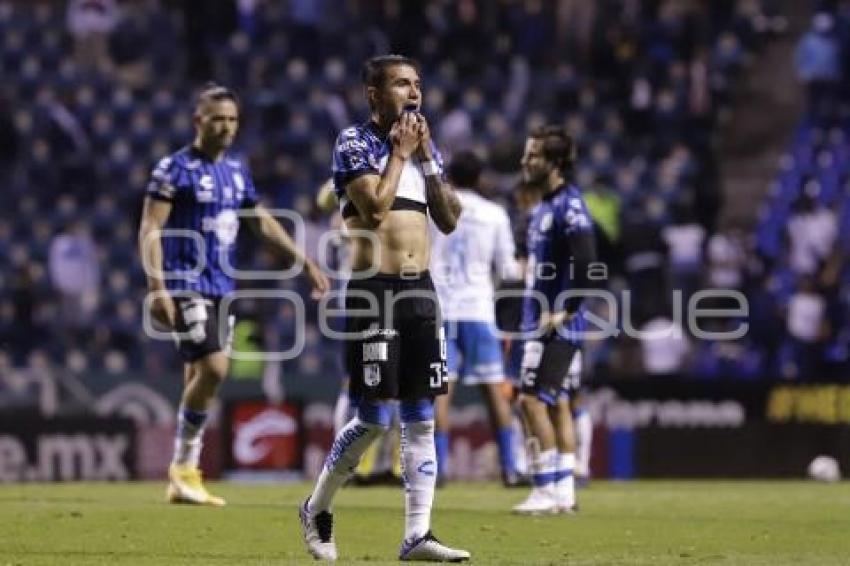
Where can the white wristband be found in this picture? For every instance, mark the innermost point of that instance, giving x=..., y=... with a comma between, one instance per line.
x=430, y=168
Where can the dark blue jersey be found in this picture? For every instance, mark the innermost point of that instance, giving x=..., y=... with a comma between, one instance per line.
x=205, y=197
x=554, y=228
x=362, y=150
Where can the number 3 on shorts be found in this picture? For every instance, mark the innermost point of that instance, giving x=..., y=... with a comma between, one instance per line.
x=437, y=375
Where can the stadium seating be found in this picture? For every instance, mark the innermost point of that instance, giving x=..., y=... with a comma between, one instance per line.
x=93, y=136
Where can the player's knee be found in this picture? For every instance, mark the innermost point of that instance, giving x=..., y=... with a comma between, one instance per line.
x=379, y=414
x=212, y=369
x=419, y=410
x=529, y=404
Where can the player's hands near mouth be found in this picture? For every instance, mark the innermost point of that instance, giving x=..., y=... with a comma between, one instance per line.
x=163, y=310
x=423, y=152
x=404, y=135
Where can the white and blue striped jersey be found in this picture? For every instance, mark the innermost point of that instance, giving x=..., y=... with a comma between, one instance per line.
x=362, y=150
x=556, y=222
x=203, y=225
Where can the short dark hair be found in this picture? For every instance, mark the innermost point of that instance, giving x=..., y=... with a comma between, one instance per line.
x=374, y=71
x=558, y=147
x=465, y=169
x=214, y=92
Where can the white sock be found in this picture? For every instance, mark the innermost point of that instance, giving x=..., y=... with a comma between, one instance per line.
x=543, y=470
x=188, y=437
x=419, y=471
x=584, y=441
x=349, y=445
x=565, y=486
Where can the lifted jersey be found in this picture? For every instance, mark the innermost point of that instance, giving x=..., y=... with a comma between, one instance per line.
x=362, y=150
x=463, y=262
x=201, y=240
x=555, y=221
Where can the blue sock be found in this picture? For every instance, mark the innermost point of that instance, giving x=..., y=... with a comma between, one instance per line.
x=191, y=420
x=441, y=443
x=505, y=440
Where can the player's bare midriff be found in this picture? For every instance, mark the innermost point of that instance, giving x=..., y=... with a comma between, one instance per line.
x=404, y=244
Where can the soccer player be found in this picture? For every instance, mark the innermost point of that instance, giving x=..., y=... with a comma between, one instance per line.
x=199, y=191
x=388, y=177
x=561, y=249
x=462, y=264
x=381, y=462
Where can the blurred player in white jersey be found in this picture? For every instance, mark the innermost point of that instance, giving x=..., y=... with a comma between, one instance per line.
x=463, y=264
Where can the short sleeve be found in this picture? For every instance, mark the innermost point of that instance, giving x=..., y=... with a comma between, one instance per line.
x=164, y=181
x=352, y=158
x=250, y=198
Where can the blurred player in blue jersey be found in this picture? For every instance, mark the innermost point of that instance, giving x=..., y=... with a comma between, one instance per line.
x=463, y=264
x=388, y=178
x=195, y=196
x=561, y=249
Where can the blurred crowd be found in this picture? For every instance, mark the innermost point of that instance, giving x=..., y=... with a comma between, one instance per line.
x=798, y=280
x=97, y=90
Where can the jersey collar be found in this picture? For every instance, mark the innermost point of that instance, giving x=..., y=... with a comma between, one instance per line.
x=556, y=192
x=373, y=127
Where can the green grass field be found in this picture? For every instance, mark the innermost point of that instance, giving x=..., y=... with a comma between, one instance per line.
x=620, y=523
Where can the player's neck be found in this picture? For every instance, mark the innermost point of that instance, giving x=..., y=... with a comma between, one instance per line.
x=380, y=125
x=213, y=153
x=554, y=182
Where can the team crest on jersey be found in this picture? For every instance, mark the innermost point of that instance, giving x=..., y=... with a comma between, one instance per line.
x=371, y=374
x=349, y=132
x=546, y=222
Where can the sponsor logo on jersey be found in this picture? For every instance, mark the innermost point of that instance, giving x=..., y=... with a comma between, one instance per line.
x=351, y=145
x=205, y=191
x=225, y=226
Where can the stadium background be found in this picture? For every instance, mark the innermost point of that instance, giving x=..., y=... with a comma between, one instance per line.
x=713, y=152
